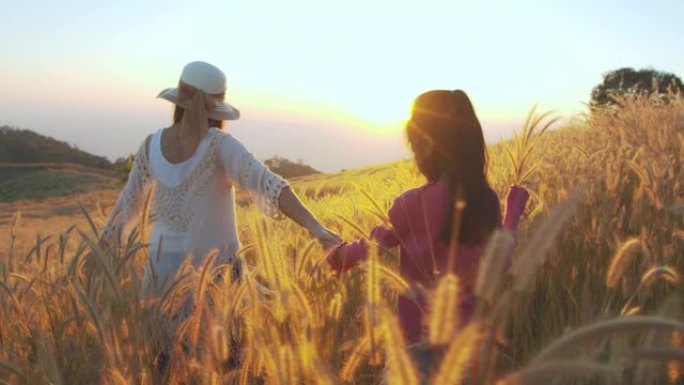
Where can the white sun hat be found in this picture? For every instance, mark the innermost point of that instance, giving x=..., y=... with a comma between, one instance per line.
x=210, y=80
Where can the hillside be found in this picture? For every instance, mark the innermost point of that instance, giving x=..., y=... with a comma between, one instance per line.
x=26, y=146
x=38, y=181
x=38, y=167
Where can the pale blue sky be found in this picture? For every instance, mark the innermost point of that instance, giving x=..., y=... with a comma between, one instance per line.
x=329, y=83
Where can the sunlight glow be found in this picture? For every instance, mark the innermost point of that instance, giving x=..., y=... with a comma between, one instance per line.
x=311, y=67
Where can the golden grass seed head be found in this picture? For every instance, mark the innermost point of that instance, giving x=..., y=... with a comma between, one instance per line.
x=444, y=317
x=667, y=273
x=620, y=260
x=489, y=276
x=458, y=356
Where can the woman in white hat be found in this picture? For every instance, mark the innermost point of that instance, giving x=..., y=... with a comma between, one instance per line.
x=191, y=168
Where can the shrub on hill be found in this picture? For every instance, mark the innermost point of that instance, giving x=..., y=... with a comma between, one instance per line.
x=289, y=169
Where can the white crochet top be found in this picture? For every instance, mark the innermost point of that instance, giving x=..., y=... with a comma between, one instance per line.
x=193, y=201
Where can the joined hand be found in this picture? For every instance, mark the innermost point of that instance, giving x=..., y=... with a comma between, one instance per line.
x=326, y=237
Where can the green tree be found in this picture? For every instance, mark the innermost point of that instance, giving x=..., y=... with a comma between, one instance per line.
x=627, y=80
x=123, y=167
x=289, y=169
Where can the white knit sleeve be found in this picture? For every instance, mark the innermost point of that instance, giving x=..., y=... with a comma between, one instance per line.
x=248, y=173
x=127, y=210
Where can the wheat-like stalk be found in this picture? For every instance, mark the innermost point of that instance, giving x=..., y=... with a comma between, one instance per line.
x=394, y=280
x=545, y=372
x=619, y=262
x=674, y=366
x=361, y=350
x=400, y=369
x=453, y=367
x=444, y=317
x=667, y=273
x=673, y=354
x=604, y=329
x=46, y=359
x=490, y=274
x=16, y=218
x=529, y=261
x=520, y=150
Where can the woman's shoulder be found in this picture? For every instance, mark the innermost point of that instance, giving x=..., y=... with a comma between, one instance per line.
x=227, y=139
x=414, y=201
x=230, y=149
x=146, y=145
x=432, y=189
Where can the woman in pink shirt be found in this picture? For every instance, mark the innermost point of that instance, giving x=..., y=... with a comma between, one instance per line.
x=449, y=150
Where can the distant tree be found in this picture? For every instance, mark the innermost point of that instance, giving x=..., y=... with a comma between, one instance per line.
x=628, y=81
x=289, y=169
x=123, y=167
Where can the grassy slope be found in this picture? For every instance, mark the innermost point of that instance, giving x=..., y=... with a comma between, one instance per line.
x=41, y=181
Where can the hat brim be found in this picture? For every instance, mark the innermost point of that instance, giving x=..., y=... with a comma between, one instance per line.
x=223, y=110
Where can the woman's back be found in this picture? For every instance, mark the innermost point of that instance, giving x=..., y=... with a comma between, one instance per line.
x=193, y=201
x=418, y=218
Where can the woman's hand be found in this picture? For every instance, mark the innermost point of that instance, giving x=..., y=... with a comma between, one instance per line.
x=327, y=237
x=292, y=207
x=515, y=207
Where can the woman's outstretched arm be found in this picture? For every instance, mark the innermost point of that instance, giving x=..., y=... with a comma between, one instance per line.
x=348, y=255
x=290, y=205
x=273, y=194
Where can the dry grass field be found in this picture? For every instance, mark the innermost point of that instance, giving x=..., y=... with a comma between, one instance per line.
x=594, y=295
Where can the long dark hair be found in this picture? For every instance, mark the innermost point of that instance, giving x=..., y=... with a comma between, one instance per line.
x=445, y=122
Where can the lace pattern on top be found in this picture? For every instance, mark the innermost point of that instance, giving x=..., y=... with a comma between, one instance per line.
x=267, y=184
x=131, y=201
x=173, y=205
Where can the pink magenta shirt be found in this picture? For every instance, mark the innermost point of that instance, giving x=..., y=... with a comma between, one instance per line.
x=416, y=217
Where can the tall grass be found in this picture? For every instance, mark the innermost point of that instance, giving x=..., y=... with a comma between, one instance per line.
x=594, y=294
